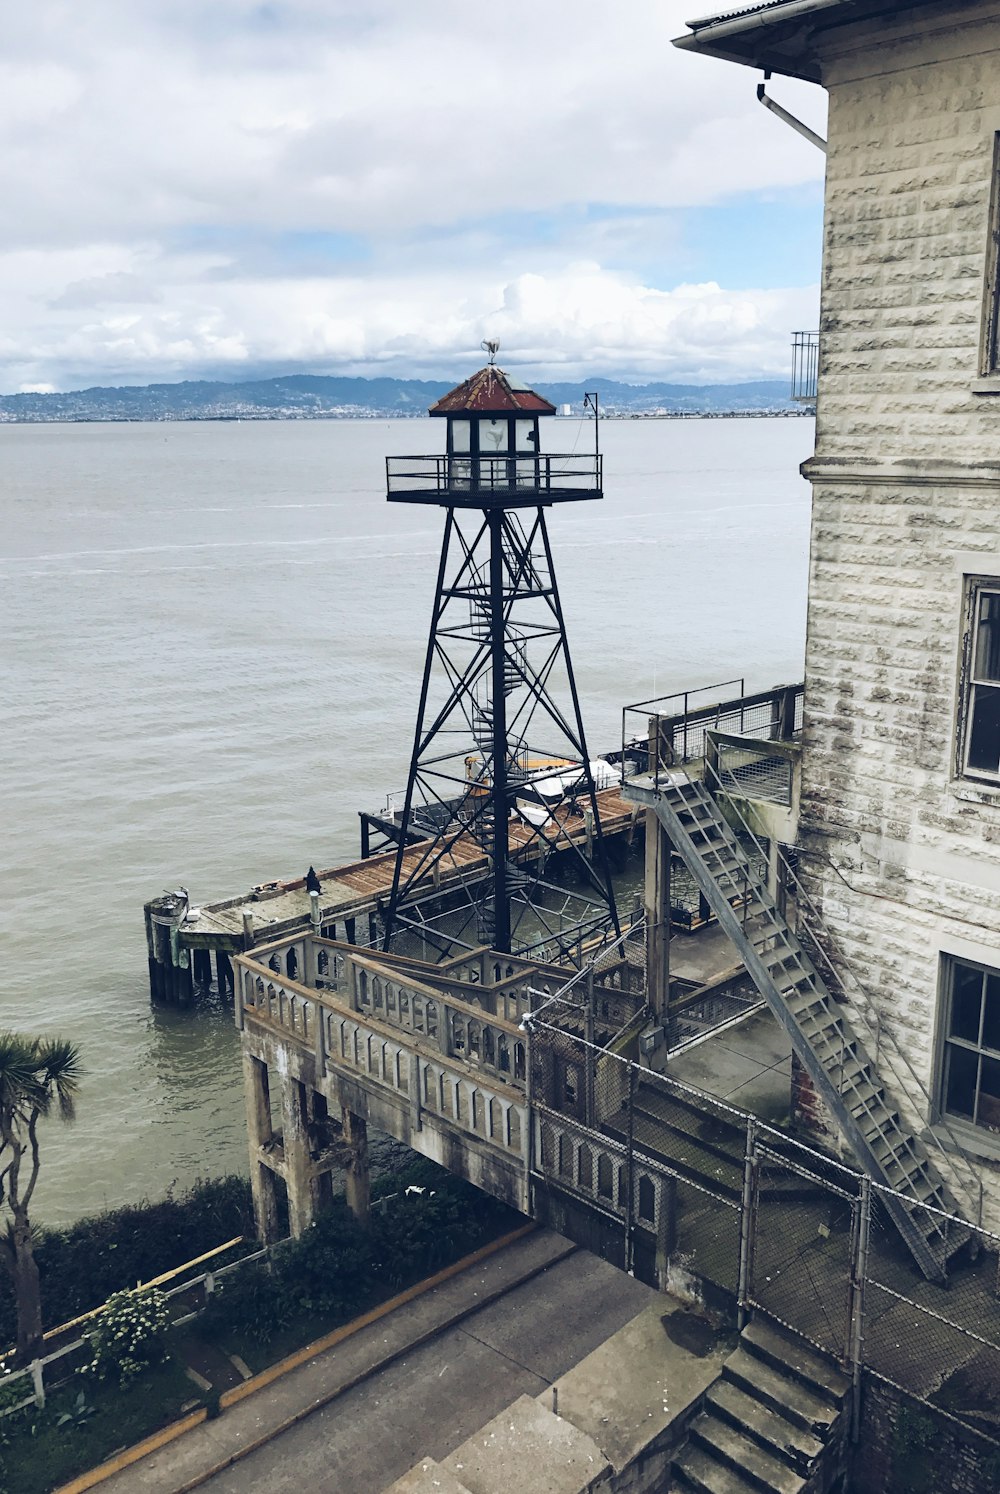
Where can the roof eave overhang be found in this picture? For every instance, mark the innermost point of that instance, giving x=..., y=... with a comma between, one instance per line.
x=785, y=37
x=758, y=52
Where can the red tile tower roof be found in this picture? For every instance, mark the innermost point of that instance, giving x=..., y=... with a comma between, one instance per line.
x=491, y=392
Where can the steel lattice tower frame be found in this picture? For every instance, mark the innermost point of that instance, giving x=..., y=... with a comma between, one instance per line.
x=498, y=767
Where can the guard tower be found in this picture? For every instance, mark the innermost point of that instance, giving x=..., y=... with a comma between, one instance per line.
x=499, y=766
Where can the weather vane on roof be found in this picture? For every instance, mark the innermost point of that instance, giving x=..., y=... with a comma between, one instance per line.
x=491, y=348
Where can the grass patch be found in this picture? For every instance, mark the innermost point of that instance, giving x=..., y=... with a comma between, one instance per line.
x=37, y=1454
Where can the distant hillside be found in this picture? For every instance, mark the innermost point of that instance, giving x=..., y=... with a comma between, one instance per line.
x=318, y=397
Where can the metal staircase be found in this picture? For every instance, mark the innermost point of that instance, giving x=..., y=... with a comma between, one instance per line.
x=482, y=734
x=814, y=1015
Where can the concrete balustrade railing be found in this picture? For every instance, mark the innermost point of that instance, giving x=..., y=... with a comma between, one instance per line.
x=386, y=1031
x=584, y=1162
x=280, y=1000
x=486, y=1041
x=494, y=1113
x=501, y=984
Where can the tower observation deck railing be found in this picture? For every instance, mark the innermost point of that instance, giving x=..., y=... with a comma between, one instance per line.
x=558, y=475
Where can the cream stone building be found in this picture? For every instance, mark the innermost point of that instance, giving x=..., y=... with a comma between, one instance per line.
x=900, y=800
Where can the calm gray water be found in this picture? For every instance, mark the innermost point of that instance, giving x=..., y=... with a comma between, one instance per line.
x=212, y=638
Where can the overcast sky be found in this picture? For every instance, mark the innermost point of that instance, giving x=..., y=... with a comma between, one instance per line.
x=229, y=189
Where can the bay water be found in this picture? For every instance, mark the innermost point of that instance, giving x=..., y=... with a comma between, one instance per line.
x=211, y=637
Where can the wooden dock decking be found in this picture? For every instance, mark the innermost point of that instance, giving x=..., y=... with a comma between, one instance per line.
x=349, y=892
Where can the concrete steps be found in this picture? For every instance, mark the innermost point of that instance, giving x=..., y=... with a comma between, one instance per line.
x=766, y=1421
x=774, y=1432
x=705, y=1150
x=698, y=1149
x=702, y=1472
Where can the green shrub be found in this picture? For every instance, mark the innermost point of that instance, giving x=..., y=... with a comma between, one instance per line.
x=339, y=1268
x=328, y=1271
x=129, y=1336
x=82, y=1265
x=245, y=1303
x=41, y=1450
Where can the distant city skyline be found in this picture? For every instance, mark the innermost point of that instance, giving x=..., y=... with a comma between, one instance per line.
x=331, y=187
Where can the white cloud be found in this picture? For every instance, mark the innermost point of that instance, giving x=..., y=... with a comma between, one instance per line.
x=570, y=321
x=132, y=134
x=102, y=290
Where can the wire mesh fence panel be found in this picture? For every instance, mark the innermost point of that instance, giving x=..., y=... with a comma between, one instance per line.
x=820, y=1249
x=562, y=1071
x=938, y=1340
x=699, y=1143
x=755, y=774
x=689, y=1020
x=621, y=967
x=580, y=1160
x=804, y=1233
x=706, y=1236
x=611, y=1090
x=702, y=1116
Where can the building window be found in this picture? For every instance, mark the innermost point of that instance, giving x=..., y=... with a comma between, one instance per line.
x=991, y=318
x=970, y=1080
x=980, y=755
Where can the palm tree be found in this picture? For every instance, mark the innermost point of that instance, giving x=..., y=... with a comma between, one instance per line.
x=38, y=1076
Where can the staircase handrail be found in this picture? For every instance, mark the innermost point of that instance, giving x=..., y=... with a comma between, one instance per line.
x=868, y=1013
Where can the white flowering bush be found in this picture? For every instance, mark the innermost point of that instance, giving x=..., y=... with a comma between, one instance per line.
x=130, y=1334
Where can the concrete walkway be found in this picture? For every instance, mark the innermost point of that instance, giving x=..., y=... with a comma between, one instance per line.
x=291, y=1434
x=749, y=1066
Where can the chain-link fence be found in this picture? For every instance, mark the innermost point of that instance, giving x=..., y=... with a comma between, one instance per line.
x=802, y=1241
x=939, y=1341
x=718, y=1200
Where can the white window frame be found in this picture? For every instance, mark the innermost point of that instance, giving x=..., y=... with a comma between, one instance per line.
x=974, y=685
x=950, y=1042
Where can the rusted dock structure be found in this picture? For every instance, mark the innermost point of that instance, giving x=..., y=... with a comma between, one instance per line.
x=181, y=939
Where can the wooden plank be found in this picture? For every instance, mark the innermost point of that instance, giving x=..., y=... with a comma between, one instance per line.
x=352, y=889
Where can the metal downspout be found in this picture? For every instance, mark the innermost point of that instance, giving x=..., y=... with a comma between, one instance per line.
x=789, y=119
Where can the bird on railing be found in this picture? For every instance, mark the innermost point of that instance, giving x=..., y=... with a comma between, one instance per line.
x=312, y=881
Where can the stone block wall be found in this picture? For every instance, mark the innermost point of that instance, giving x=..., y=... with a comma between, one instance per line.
x=901, y=853
x=906, y=1447
x=914, y=108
